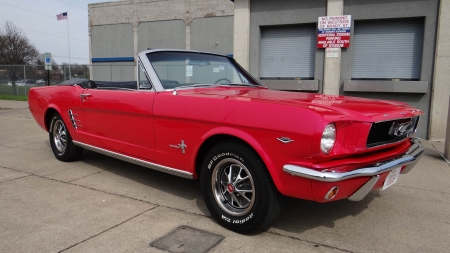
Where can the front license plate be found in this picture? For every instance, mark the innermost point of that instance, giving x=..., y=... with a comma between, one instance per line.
x=391, y=178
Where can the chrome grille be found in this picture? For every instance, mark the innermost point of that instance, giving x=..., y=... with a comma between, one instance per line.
x=381, y=132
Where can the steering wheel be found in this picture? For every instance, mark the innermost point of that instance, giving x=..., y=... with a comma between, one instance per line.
x=222, y=79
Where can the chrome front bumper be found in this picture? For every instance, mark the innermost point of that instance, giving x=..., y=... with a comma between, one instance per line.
x=410, y=159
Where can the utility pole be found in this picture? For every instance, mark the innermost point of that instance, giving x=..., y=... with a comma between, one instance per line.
x=48, y=65
x=447, y=135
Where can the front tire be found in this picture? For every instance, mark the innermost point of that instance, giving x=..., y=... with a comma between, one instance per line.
x=61, y=141
x=237, y=188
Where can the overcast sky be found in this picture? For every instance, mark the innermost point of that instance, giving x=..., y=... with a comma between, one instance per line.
x=37, y=19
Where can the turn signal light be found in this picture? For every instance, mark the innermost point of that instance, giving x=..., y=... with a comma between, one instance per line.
x=331, y=193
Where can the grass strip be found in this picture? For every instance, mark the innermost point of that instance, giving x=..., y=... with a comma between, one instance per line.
x=13, y=97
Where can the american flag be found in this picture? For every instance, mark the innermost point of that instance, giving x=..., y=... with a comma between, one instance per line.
x=62, y=16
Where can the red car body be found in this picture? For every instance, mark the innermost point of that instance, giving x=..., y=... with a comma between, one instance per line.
x=283, y=128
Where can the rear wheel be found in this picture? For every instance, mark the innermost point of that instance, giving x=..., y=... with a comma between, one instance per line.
x=237, y=188
x=61, y=141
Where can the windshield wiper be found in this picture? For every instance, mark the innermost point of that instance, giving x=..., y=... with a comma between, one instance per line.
x=241, y=84
x=195, y=85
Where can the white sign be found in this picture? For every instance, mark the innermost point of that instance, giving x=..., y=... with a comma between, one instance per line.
x=335, y=21
x=48, y=61
x=391, y=178
x=189, y=70
x=216, y=70
x=332, y=52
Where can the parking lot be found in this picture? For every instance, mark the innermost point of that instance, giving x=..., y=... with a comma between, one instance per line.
x=101, y=204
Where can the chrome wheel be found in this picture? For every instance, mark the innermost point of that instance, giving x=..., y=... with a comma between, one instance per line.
x=233, y=187
x=60, y=135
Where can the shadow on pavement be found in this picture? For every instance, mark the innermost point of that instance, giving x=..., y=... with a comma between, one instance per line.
x=296, y=216
x=185, y=188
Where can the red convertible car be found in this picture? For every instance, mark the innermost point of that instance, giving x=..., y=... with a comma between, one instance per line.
x=202, y=116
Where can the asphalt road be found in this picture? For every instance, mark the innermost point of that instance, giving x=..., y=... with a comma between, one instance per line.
x=101, y=204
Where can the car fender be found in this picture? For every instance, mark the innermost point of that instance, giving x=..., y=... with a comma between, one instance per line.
x=250, y=140
x=52, y=107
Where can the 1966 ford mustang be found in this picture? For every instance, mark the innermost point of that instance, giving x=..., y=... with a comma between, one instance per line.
x=202, y=116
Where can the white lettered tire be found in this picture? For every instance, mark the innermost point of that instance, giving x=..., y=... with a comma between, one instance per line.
x=237, y=188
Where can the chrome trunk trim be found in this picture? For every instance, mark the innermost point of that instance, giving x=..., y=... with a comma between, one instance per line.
x=136, y=161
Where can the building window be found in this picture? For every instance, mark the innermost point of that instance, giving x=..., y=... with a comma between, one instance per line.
x=387, y=49
x=288, y=52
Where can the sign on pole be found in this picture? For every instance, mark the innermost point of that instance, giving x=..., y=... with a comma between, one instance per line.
x=48, y=61
x=334, y=31
x=332, y=52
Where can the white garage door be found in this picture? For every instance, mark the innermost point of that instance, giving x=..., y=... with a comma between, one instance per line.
x=387, y=49
x=288, y=52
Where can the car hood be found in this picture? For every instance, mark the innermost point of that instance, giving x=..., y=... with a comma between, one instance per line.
x=362, y=109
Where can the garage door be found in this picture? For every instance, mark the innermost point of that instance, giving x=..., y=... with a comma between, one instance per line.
x=288, y=52
x=387, y=49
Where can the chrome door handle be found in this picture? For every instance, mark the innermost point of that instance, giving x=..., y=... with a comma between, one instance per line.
x=84, y=96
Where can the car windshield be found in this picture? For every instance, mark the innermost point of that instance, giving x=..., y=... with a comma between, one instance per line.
x=191, y=69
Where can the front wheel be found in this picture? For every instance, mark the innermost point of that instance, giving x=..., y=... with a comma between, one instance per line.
x=237, y=188
x=61, y=141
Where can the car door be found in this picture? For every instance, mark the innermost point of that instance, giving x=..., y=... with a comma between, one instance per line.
x=68, y=101
x=120, y=121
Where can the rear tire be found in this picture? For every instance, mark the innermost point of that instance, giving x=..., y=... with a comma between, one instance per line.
x=237, y=188
x=61, y=141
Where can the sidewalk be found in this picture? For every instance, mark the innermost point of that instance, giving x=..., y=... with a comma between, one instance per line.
x=12, y=104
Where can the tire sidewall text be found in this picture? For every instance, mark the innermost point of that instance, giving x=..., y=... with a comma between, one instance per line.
x=256, y=214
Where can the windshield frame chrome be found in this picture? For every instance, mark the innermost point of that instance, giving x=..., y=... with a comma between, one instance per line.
x=158, y=87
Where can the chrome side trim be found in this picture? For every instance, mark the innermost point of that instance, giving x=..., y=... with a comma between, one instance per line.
x=364, y=190
x=285, y=140
x=141, y=65
x=410, y=158
x=150, y=71
x=73, y=120
x=182, y=146
x=136, y=161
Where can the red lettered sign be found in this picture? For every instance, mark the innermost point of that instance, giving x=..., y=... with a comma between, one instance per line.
x=334, y=32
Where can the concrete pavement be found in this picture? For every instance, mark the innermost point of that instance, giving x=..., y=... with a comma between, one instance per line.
x=100, y=204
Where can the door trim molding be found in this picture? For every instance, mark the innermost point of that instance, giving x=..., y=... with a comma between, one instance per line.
x=136, y=161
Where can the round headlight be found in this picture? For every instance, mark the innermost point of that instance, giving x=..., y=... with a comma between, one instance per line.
x=328, y=138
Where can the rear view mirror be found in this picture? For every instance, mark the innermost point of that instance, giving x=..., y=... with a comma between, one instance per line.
x=199, y=62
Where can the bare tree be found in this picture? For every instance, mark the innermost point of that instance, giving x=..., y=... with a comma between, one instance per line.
x=15, y=49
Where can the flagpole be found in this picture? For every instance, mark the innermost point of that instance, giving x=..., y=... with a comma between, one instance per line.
x=68, y=43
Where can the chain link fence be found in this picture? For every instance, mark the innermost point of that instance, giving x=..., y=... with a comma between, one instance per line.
x=16, y=80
